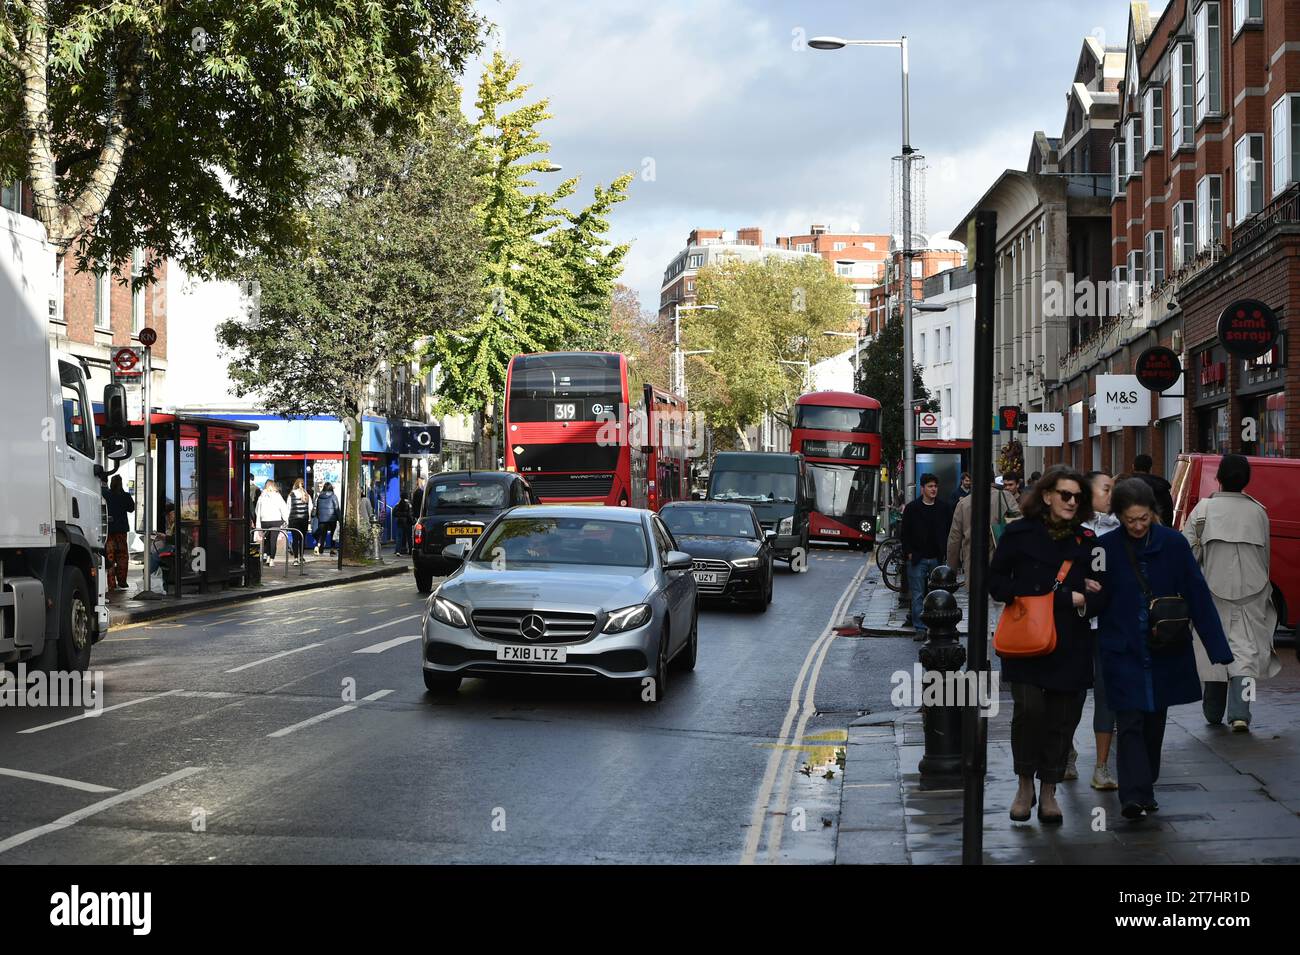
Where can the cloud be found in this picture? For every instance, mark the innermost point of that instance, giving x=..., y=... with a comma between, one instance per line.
x=740, y=125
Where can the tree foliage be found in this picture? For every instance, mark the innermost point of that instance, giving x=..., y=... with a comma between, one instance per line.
x=391, y=256
x=769, y=310
x=881, y=377
x=646, y=341
x=181, y=127
x=548, y=272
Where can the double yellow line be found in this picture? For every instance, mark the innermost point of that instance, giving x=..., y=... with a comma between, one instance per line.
x=780, y=763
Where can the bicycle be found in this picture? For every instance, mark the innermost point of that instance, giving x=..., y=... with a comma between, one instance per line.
x=889, y=558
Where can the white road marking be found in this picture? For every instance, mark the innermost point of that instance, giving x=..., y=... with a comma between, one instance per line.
x=778, y=755
x=72, y=818
x=330, y=714
x=387, y=645
x=274, y=656
x=391, y=623
x=92, y=714
x=57, y=781
x=347, y=620
x=380, y=610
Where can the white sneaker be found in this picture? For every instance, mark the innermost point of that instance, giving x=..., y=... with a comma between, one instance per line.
x=1240, y=726
x=1102, y=778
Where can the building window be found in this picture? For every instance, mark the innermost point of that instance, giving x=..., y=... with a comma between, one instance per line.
x=1155, y=257
x=1153, y=117
x=1286, y=142
x=690, y=286
x=1133, y=144
x=1134, y=278
x=1244, y=11
x=1249, y=163
x=924, y=360
x=838, y=247
x=137, y=292
x=1209, y=212
x=1117, y=166
x=1182, y=94
x=11, y=196
x=917, y=270
x=862, y=296
x=103, y=293
x=1184, y=233
x=805, y=246
x=1209, y=74
x=843, y=268
x=696, y=261
x=947, y=343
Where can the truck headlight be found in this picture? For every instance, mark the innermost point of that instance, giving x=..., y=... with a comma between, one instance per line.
x=628, y=618
x=786, y=526
x=444, y=611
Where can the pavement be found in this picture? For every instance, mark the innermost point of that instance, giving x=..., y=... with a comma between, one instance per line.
x=317, y=571
x=1224, y=797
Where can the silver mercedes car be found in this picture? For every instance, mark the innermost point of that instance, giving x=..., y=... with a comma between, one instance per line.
x=565, y=590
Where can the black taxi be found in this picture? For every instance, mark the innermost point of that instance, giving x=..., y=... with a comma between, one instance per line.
x=457, y=506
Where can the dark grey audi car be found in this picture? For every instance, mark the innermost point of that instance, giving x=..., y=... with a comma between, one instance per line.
x=564, y=590
x=732, y=555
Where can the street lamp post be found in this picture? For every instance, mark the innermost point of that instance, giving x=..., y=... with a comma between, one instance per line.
x=909, y=449
x=679, y=356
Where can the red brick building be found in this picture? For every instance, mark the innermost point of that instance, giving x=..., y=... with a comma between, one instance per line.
x=857, y=258
x=1205, y=211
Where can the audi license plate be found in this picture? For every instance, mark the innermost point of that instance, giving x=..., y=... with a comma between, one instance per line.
x=532, y=654
x=705, y=577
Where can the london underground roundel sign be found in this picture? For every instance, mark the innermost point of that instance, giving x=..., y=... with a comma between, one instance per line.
x=1248, y=328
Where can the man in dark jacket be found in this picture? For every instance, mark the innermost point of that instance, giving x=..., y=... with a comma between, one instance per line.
x=1159, y=486
x=119, y=504
x=924, y=539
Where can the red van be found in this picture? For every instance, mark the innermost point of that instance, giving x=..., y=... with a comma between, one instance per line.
x=1275, y=483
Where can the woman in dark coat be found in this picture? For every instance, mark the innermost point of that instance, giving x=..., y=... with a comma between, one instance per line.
x=1048, y=691
x=1141, y=685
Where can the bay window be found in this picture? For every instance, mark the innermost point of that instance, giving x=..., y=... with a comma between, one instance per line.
x=1182, y=95
x=1286, y=140
x=1155, y=257
x=1153, y=117
x=1248, y=162
x=1209, y=66
x=1209, y=212
x=1183, y=235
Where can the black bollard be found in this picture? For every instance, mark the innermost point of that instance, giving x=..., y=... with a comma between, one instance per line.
x=942, y=654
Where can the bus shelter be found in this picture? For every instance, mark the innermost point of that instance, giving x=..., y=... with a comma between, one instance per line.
x=199, y=485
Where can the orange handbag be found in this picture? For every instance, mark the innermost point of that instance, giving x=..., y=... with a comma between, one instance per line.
x=1027, y=627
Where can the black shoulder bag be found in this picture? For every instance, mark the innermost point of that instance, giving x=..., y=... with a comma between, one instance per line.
x=1168, y=618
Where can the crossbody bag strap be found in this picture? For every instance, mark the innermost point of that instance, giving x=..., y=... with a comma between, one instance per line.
x=1142, y=580
x=1061, y=574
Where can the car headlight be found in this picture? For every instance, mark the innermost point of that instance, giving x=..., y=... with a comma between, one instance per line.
x=444, y=611
x=786, y=526
x=628, y=618
x=865, y=526
x=745, y=563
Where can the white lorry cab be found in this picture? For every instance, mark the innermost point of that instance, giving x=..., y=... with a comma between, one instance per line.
x=52, y=521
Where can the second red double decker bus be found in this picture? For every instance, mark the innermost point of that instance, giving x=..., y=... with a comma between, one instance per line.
x=583, y=433
x=838, y=432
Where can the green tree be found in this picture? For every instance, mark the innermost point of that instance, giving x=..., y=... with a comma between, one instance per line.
x=181, y=127
x=881, y=377
x=392, y=255
x=769, y=310
x=548, y=273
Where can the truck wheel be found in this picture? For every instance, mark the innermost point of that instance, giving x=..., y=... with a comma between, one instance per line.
x=74, y=623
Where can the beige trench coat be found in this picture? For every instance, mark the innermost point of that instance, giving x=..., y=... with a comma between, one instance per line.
x=1229, y=534
x=1002, y=506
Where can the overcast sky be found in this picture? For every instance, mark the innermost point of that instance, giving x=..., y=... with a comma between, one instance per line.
x=728, y=121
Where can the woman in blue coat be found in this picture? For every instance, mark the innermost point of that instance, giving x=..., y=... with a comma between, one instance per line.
x=1142, y=685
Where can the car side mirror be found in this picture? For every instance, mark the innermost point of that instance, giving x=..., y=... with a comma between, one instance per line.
x=115, y=418
x=116, y=448
x=455, y=551
x=677, y=560
x=769, y=534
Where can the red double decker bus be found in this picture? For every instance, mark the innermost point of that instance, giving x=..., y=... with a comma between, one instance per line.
x=838, y=433
x=583, y=432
